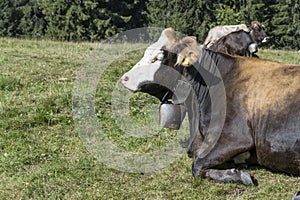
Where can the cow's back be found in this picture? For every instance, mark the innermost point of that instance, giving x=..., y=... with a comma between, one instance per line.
x=217, y=32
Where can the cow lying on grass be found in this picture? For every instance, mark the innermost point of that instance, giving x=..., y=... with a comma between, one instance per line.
x=241, y=42
x=236, y=105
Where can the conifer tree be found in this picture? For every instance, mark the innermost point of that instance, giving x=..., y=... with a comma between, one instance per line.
x=32, y=23
x=92, y=20
x=225, y=15
x=186, y=16
x=6, y=18
x=285, y=23
x=10, y=17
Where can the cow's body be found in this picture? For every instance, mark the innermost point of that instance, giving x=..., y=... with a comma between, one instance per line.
x=217, y=32
x=260, y=111
x=241, y=42
x=262, y=114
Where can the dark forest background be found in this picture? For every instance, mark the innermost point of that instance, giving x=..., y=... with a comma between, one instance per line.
x=95, y=20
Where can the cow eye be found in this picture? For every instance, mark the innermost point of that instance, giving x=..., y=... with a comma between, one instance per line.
x=158, y=57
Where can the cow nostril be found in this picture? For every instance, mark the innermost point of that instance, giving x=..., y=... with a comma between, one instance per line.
x=126, y=78
x=190, y=153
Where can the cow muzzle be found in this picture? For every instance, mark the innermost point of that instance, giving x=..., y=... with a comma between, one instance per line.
x=125, y=80
x=266, y=39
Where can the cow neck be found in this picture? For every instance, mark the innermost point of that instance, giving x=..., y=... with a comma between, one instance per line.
x=203, y=75
x=204, y=117
x=250, y=33
x=182, y=89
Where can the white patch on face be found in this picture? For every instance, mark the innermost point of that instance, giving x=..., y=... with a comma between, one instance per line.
x=265, y=40
x=145, y=69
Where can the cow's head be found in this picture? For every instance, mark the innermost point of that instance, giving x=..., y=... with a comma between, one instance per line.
x=258, y=33
x=159, y=69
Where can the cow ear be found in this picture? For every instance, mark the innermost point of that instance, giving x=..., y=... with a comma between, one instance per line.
x=187, y=57
x=189, y=40
x=170, y=34
x=255, y=24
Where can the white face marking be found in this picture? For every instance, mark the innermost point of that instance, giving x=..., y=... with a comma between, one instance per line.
x=265, y=40
x=146, y=68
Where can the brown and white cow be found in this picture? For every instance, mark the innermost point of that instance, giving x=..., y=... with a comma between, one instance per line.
x=236, y=105
x=241, y=42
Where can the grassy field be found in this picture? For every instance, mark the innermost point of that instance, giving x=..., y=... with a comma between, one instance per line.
x=42, y=156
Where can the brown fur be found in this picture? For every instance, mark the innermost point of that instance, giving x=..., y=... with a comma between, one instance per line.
x=268, y=95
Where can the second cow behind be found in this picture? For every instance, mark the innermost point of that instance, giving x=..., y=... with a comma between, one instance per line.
x=240, y=42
